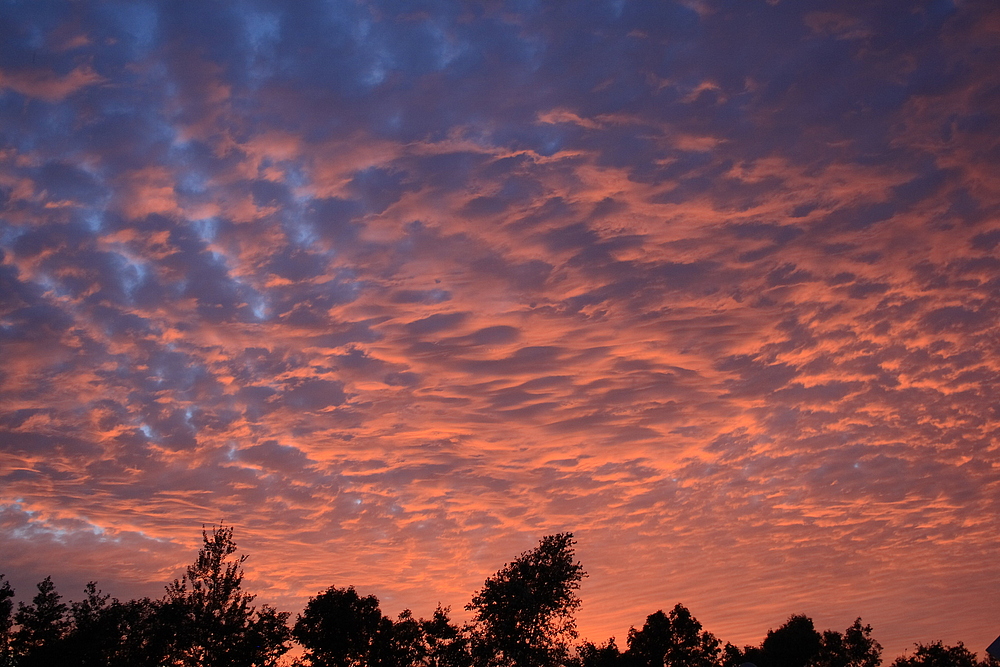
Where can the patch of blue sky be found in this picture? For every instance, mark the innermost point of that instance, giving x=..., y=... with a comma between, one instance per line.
x=17, y=506
x=206, y=229
x=192, y=182
x=94, y=220
x=300, y=232
x=617, y=7
x=377, y=71
x=261, y=29
x=259, y=307
x=139, y=20
x=352, y=289
x=296, y=178
x=437, y=296
x=92, y=527
x=10, y=233
x=50, y=284
x=262, y=34
x=255, y=300
x=52, y=120
x=134, y=275
x=360, y=27
x=448, y=49
x=35, y=525
x=36, y=37
x=533, y=51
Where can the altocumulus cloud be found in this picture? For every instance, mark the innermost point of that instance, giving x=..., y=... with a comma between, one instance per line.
x=398, y=288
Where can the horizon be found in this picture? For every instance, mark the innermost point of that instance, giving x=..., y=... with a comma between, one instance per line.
x=459, y=614
x=395, y=289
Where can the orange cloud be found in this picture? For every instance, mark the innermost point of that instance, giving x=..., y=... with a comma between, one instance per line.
x=46, y=85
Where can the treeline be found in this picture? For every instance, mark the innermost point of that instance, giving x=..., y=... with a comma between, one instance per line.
x=522, y=617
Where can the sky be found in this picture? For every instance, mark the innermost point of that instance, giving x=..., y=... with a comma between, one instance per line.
x=397, y=288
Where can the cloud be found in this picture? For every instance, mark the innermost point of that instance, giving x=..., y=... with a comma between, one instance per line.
x=47, y=85
x=711, y=285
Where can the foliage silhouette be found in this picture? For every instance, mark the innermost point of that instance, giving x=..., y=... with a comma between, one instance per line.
x=672, y=640
x=522, y=617
x=6, y=622
x=798, y=644
x=524, y=614
x=111, y=633
x=604, y=655
x=215, y=624
x=733, y=656
x=339, y=628
x=794, y=644
x=939, y=655
x=130, y=633
x=41, y=626
x=854, y=648
x=399, y=643
x=205, y=619
x=447, y=645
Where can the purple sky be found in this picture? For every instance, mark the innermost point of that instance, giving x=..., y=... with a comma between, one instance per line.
x=397, y=288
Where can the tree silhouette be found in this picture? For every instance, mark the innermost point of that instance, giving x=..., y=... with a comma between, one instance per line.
x=938, y=655
x=854, y=648
x=399, y=643
x=213, y=622
x=447, y=645
x=41, y=626
x=794, y=644
x=6, y=622
x=111, y=633
x=734, y=656
x=522, y=617
x=603, y=655
x=339, y=628
x=672, y=640
x=524, y=614
x=89, y=639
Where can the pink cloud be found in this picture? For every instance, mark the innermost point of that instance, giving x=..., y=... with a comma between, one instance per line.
x=46, y=85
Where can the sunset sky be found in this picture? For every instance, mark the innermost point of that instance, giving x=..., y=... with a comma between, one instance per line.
x=395, y=288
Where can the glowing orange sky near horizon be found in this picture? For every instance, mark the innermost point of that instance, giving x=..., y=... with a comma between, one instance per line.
x=714, y=287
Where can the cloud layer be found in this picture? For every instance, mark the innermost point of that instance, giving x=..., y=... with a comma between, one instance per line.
x=713, y=285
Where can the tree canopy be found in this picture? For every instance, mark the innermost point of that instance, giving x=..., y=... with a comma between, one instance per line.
x=523, y=616
x=339, y=628
x=672, y=640
x=938, y=655
x=218, y=625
